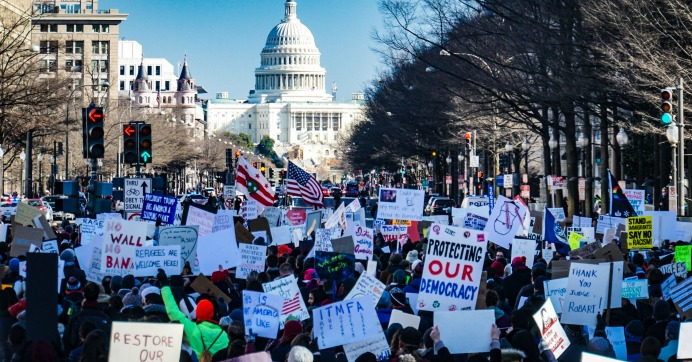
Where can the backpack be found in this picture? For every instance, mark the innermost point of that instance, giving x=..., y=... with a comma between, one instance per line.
x=206, y=355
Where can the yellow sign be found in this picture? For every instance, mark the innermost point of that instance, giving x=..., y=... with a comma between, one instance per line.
x=640, y=231
x=574, y=240
x=401, y=222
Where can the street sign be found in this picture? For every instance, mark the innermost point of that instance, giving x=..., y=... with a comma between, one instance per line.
x=509, y=180
x=672, y=198
x=228, y=191
x=134, y=190
x=474, y=161
x=424, y=183
x=582, y=189
x=525, y=191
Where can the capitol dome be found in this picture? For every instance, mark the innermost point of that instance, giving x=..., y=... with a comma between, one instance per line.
x=290, y=64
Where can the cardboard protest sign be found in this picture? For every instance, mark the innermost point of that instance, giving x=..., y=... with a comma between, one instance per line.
x=682, y=255
x=260, y=224
x=243, y=235
x=25, y=214
x=681, y=295
x=609, y=252
x=121, y=238
x=525, y=248
x=363, y=242
x=159, y=207
x=199, y=216
x=90, y=230
x=685, y=349
x=377, y=346
x=23, y=238
x=453, y=267
x=367, y=285
x=405, y=319
x=203, y=285
x=186, y=237
x=587, y=288
x=345, y=322
x=337, y=218
x=131, y=341
x=640, y=232
x=261, y=313
x=585, y=251
x=551, y=330
x=252, y=259
x=40, y=222
x=466, y=340
x=404, y=204
x=678, y=269
x=343, y=245
x=149, y=259
x=505, y=221
x=635, y=289
x=555, y=290
x=219, y=248
x=294, y=305
x=334, y=266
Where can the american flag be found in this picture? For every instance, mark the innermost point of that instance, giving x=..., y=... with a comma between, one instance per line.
x=291, y=305
x=302, y=184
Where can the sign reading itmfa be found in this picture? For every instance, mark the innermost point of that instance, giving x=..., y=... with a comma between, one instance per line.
x=134, y=191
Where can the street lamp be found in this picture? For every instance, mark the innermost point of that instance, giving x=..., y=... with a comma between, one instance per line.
x=2, y=172
x=552, y=143
x=52, y=175
x=40, y=173
x=22, y=156
x=622, y=139
x=673, y=137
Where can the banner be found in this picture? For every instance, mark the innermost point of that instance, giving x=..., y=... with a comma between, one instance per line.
x=470, y=330
x=261, y=313
x=121, y=238
x=294, y=305
x=130, y=341
x=640, y=232
x=551, y=330
x=404, y=204
x=453, y=268
x=159, y=206
x=345, y=322
x=186, y=237
x=505, y=221
x=252, y=258
x=149, y=259
x=367, y=286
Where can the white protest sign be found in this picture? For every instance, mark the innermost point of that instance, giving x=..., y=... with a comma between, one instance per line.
x=261, y=313
x=636, y=199
x=367, y=285
x=223, y=220
x=204, y=219
x=250, y=209
x=281, y=235
x=149, y=259
x=555, y=290
x=587, y=232
x=89, y=257
x=678, y=269
x=294, y=305
x=635, y=289
x=337, y=218
x=525, y=248
x=378, y=346
x=589, y=357
x=130, y=341
x=50, y=246
x=405, y=319
x=616, y=337
x=120, y=240
x=345, y=322
x=548, y=255
x=685, y=349
x=587, y=287
x=558, y=213
x=133, y=192
x=253, y=257
x=551, y=330
x=505, y=221
x=186, y=237
x=273, y=215
x=401, y=204
x=90, y=230
x=453, y=268
x=466, y=340
x=108, y=215
x=219, y=248
x=608, y=222
x=323, y=240
x=666, y=285
x=398, y=233
x=363, y=244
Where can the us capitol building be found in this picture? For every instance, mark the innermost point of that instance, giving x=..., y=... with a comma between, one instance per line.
x=289, y=102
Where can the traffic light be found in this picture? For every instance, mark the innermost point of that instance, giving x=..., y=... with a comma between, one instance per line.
x=666, y=106
x=83, y=181
x=403, y=170
x=237, y=155
x=145, y=154
x=262, y=168
x=229, y=158
x=282, y=174
x=503, y=163
x=434, y=153
x=130, y=143
x=479, y=176
x=467, y=137
x=254, y=164
x=271, y=173
x=92, y=119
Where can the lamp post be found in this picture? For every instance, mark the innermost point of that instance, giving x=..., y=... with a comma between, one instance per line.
x=553, y=144
x=462, y=166
x=582, y=142
x=623, y=140
x=22, y=157
x=2, y=172
x=509, y=149
x=40, y=173
x=449, y=187
x=672, y=133
x=431, y=166
x=52, y=175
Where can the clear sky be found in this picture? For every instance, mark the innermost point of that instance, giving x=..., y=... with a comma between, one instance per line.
x=223, y=38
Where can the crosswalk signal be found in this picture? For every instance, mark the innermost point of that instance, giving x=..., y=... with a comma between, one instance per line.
x=467, y=137
x=271, y=173
x=130, y=143
x=145, y=154
x=666, y=106
x=92, y=119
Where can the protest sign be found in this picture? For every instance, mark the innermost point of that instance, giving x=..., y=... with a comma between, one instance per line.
x=681, y=295
x=394, y=233
x=23, y=238
x=149, y=259
x=252, y=357
x=551, y=330
x=666, y=285
x=377, y=346
x=121, y=238
x=367, y=285
x=589, y=357
x=609, y=252
x=586, y=232
x=131, y=341
x=323, y=240
x=273, y=215
x=505, y=221
x=345, y=322
x=261, y=237
x=252, y=258
x=640, y=232
x=313, y=222
x=404, y=204
x=159, y=206
x=585, y=251
x=223, y=220
x=261, y=224
x=558, y=212
x=474, y=221
x=242, y=235
x=526, y=248
x=295, y=217
x=635, y=289
x=334, y=266
x=186, y=237
x=685, y=349
x=555, y=290
x=574, y=240
x=547, y=254
x=682, y=255
x=261, y=313
x=26, y=213
x=453, y=267
x=405, y=319
x=198, y=216
x=607, y=222
x=678, y=269
x=466, y=340
x=616, y=337
x=294, y=305
x=90, y=230
x=50, y=246
x=40, y=222
x=636, y=199
x=363, y=247
x=203, y=285
x=89, y=257
x=219, y=248
x=281, y=235
x=337, y=218
x=250, y=209
x=343, y=245
x=587, y=287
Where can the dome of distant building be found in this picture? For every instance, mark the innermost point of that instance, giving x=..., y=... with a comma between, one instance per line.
x=290, y=32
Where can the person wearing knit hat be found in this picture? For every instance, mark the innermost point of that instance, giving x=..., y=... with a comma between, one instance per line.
x=132, y=299
x=634, y=333
x=14, y=265
x=279, y=348
x=520, y=277
x=499, y=269
x=412, y=256
x=67, y=256
x=672, y=337
x=284, y=250
x=661, y=315
x=150, y=290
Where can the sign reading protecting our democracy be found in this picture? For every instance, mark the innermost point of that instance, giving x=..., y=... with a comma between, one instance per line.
x=159, y=206
x=253, y=258
x=261, y=313
x=640, y=232
x=453, y=269
x=130, y=341
x=551, y=330
x=121, y=238
x=345, y=322
x=401, y=204
x=149, y=259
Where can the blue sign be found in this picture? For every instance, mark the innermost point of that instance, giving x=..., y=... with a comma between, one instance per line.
x=159, y=206
x=491, y=198
x=500, y=180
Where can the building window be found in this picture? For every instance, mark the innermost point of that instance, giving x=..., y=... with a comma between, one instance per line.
x=158, y=85
x=100, y=47
x=122, y=85
x=148, y=69
x=74, y=47
x=100, y=28
x=132, y=70
x=48, y=65
x=249, y=125
x=100, y=66
x=49, y=28
x=71, y=8
x=158, y=70
x=168, y=85
x=49, y=47
x=75, y=28
x=122, y=70
x=73, y=65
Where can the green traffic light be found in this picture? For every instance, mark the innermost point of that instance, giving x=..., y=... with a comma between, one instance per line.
x=666, y=119
x=145, y=155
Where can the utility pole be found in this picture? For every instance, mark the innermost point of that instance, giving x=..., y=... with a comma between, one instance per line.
x=681, y=153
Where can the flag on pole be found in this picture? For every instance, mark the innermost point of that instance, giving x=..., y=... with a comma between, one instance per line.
x=252, y=183
x=619, y=205
x=302, y=184
x=553, y=233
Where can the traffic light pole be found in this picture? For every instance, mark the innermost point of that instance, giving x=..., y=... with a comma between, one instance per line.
x=681, y=168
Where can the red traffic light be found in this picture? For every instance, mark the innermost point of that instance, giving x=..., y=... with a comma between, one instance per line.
x=95, y=115
x=254, y=164
x=128, y=130
x=237, y=153
x=467, y=135
x=666, y=95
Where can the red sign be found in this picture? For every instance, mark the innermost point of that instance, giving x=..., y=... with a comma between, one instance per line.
x=525, y=191
x=296, y=216
x=96, y=115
